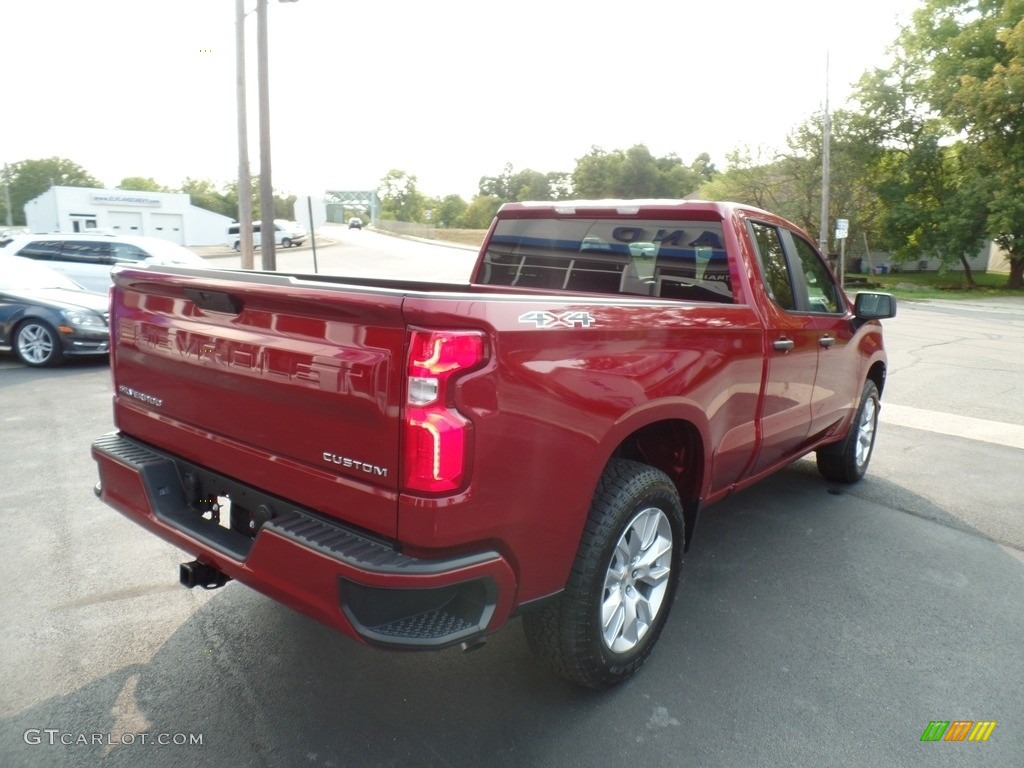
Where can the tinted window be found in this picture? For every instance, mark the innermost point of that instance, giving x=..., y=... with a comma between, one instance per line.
x=667, y=259
x=822, y=292
x=773, y=264
x=122, y=252
x=41, y=250
x=86, y=252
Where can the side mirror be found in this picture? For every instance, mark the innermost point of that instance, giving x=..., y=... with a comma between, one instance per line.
x=874, y=306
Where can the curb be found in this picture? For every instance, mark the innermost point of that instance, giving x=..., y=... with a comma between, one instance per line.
x=223, y=252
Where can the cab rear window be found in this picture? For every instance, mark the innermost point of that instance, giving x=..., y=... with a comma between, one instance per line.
x=665, y=259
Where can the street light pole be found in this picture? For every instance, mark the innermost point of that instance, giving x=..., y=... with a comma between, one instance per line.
x=267, y=244
x=826, y=170
x=244, y=174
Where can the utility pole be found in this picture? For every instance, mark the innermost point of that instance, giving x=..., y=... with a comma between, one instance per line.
x=826, y=162
x=244, y=174
x=7, y=197
x=267, y=244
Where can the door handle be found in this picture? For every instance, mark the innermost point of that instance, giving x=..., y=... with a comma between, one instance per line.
x=826, y=342
x=784, y=345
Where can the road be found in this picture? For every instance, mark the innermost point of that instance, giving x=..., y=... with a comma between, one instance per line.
x=815, y=625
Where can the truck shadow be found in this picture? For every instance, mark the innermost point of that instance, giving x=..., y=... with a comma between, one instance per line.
x=809, y=623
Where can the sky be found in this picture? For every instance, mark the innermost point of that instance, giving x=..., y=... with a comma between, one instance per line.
x=447, y=91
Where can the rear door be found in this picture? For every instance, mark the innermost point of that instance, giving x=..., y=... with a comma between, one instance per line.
x=813, y=380
x=838, y=382
x=792, y=349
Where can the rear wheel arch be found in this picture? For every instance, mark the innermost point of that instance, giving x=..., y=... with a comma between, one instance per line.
x=602, y=627
x=877, y=374
x=677, y=448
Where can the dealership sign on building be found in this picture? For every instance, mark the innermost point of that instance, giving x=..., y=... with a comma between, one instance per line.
x=107, y=198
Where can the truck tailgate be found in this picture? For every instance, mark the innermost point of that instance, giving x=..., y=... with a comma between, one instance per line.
x=291, y=386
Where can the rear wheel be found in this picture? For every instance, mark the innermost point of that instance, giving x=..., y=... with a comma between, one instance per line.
x=238, y=245
x=37, y=344
x=602, y=628
x=847, y=461
x=286, y=243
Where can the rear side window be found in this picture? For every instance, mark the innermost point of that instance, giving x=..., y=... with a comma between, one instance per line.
x=122, y=252
x=772, y=256
x=795, y=277
x=822, y=291
x=665, y=259
x=40, y=250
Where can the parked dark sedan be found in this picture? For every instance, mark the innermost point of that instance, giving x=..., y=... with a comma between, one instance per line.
x=45, y=317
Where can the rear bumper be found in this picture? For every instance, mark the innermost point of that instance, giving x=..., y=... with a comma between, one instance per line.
x=345, y=578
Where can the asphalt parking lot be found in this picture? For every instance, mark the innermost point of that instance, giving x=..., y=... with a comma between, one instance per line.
x=815, y=625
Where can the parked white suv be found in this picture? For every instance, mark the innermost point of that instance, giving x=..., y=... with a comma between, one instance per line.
x=88, y=258
x=286, y=234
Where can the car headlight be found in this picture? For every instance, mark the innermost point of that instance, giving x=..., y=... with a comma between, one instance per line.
x=84, y=319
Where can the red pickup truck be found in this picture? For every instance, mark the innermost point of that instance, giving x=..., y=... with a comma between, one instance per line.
x=417, y=463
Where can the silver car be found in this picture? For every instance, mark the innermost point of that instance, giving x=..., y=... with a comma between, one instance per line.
x=87, y=259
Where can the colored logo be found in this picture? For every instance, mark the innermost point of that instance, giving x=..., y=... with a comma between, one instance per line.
x=959, y=730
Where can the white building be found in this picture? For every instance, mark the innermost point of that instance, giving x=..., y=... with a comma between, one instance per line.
x=169, y=215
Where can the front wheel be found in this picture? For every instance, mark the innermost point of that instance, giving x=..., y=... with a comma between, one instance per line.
x=37, y=344
x=603, y=626
x=286, y=243
x=847, y=461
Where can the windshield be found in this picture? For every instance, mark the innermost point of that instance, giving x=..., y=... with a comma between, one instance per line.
x=18, y=274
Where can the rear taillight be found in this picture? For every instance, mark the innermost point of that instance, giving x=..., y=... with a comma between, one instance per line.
x=436, y=436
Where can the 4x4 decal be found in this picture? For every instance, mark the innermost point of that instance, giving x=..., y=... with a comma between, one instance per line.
x=545, y=319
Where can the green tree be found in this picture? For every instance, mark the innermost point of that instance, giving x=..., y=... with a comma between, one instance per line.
x=790, y=182
x=480, y=212
x=284, y=206
x=230, y=198
x=704, y=168
x=751, y=179
x=597, y=174
x=449, y=211
x=204, y=193
x=560, y=184
x=399, y=197
x=27, y=179
x=512, y=187
x=931, y=197
x=499, y=186
x=967, y=59
x=635, y=173
x=142, y=184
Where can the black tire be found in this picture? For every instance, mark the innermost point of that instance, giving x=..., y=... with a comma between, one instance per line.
x=286, y=243
x=635, y=519
x=37, y=344
x=238, y=245
x=847, y=460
